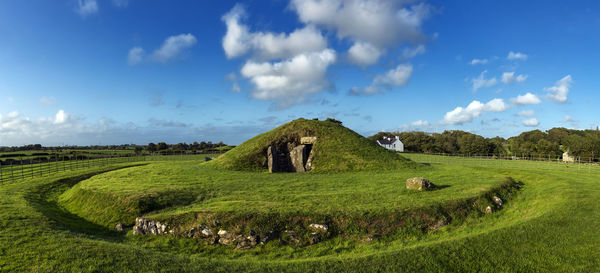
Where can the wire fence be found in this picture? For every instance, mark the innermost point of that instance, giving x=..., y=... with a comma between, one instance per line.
x=28, y=168
x=587, y=165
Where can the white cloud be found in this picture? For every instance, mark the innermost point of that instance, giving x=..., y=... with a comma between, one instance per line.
x=526, y=113
x=135, y=56
x=409, y=53
x=173, y=47
x=509, y=77
x=475, y=109
x=396, y=77
x=235, y=42
x=420, y=123
x=481, y=81
x=47, y=101
x=526, y=99
x=516, y=56
x=86, y=7
x=290, y=81
x=60, y=117
x=532, y=122
x=238, y=40
x=378, y=22
x=372, y=25
x=495, y=105
x=560, y=90
x=364, y=54
x=17, y=129
x=570, y=120
x=478, y=61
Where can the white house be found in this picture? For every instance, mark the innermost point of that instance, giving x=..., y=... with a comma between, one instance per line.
x=391, y=144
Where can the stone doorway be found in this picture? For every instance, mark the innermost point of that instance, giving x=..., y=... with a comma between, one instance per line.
x=290, y=156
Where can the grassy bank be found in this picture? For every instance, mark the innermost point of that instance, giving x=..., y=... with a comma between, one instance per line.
x=549, y=226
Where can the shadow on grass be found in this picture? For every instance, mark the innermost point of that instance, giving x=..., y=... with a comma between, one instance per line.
x=439, y=187
x=44, y=199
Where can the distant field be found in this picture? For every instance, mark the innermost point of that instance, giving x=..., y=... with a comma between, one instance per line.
x=550, y=225
x=493, y=162
x=50, y=165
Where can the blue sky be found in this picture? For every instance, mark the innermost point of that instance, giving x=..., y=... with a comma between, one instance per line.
x=131, y=71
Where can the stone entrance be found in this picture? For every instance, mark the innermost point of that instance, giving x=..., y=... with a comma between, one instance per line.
x=291, y=157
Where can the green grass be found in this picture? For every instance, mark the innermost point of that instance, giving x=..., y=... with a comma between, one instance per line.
x=549, y=226
x=187, y=194
x=336, y=149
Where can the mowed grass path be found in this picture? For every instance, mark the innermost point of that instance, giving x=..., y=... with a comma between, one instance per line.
x=550, y=226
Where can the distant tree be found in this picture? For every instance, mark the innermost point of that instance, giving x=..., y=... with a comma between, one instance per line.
x=138, y=149
x=162, y=146
x=151, y=147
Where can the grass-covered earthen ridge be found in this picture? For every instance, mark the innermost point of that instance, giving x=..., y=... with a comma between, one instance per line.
x=337, y=149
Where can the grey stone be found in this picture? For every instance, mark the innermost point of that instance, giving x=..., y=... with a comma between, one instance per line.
x=206, y=232
x=309, y=162
x=147, y=226
x=299, y=156
x=223, y=233
x=319, y=227
x=206, y=159
x=419, y=183
x=308, y=140
x=488, y=209
x=247, y=242
x=497, y=201
x=119, y=227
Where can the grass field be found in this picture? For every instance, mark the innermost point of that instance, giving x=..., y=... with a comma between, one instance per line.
x=550, y=225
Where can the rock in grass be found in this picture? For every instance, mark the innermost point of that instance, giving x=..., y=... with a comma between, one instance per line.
x=318, y=227
x=488, y=209
x=497, y=201
x=119, y=227
x=206, y=232
x=147, y=226
x=419, y=183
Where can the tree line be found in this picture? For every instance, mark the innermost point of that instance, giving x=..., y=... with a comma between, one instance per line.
x=150, y=147
x=536, y=143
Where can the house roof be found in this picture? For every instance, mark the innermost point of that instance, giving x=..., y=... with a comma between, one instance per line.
x=387, y=141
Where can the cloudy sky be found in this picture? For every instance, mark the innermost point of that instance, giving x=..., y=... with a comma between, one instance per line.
x=132, y=71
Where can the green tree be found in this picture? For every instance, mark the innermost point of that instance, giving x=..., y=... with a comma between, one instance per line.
x=162, y=146
x=151, y=147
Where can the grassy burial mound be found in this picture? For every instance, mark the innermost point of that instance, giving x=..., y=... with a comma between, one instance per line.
x=310, y=145
x=197, y=201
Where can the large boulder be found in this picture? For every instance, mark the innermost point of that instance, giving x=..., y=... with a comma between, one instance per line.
x=299, y=156
x=419, y=183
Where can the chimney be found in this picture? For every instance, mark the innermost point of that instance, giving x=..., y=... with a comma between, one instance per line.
x=397, y=138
